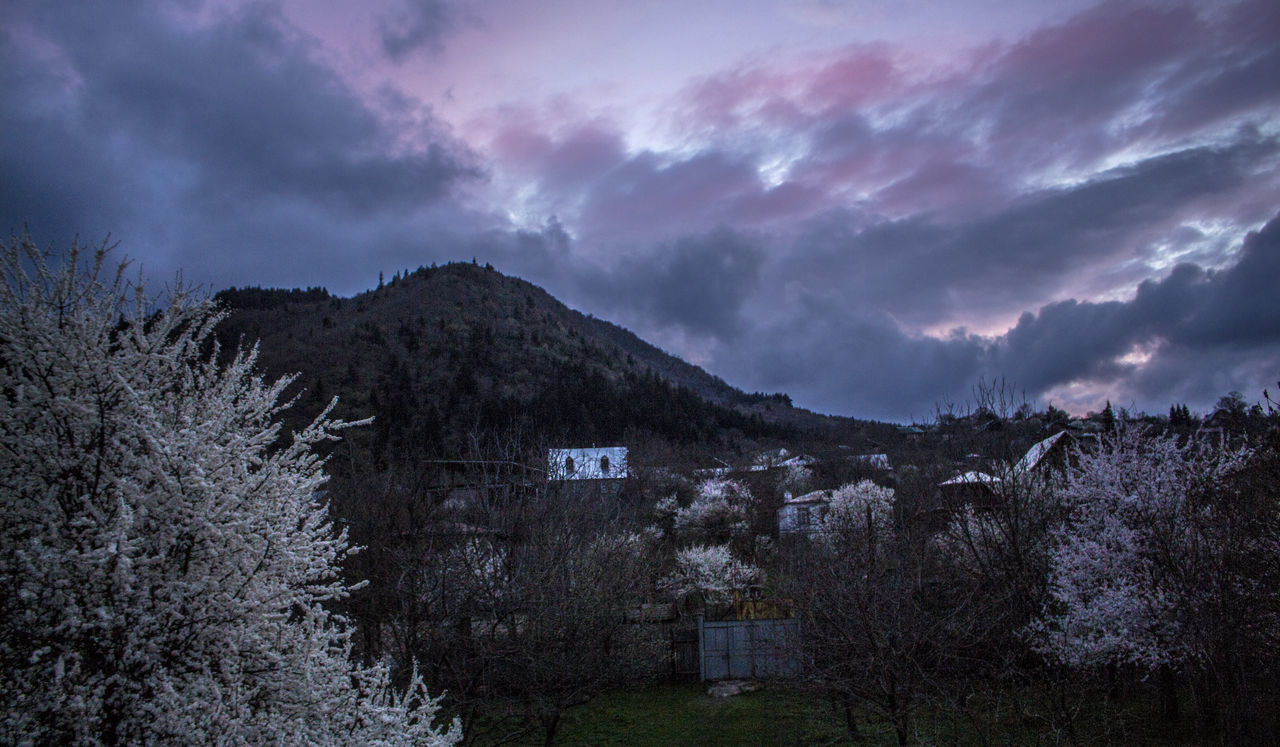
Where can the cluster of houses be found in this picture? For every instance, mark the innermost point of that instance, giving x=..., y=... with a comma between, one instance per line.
x=601, y=471
x=802, y=514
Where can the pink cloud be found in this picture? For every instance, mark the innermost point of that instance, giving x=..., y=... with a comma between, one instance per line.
x=794, y=95
x=856, y=78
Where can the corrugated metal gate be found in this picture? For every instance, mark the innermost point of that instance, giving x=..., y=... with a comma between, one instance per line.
x=747, y=649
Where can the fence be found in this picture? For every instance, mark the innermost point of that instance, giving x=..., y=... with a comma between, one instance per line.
x=685, y=662
x=747, y=649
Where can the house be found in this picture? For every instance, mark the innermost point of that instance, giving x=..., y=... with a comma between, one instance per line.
x=595, y=469
x=1044, y=455
x=762, y=462
x=973, y=486
x=799, y=460
x=874, y=461
x=803, y=514
x=1044, y=458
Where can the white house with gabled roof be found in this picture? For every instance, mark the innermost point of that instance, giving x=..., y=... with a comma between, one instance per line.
x=595, y=463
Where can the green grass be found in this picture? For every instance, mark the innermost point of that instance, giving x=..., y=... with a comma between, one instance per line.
x=687, y=715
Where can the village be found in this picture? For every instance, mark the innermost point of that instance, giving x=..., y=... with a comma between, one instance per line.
x=723, y=573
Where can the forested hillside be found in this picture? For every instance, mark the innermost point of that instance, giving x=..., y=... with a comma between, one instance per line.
x=444, y=352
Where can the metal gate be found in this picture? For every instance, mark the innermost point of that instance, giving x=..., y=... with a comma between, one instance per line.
x=748, y=649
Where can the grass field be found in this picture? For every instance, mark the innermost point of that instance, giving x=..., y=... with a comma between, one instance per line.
x=687, y=715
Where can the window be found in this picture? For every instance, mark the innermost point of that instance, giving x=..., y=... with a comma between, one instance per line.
x=604, y=465
x=802, y=517
x=568, y=465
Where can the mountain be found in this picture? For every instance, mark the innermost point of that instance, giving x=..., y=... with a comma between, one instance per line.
x=439, y=354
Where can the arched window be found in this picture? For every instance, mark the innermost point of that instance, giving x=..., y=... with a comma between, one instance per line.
x=604, y=465
x=568, y=465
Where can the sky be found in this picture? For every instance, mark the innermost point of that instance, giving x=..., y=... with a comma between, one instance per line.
x=869, y=205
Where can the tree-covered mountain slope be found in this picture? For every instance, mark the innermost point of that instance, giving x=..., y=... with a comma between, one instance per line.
x=444, y=352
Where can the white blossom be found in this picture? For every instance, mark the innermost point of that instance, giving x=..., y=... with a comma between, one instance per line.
x=710, y=572
x=1135, y=506
x=165, y=554
x=720, y=511
x=795, y=479
x=858, y=508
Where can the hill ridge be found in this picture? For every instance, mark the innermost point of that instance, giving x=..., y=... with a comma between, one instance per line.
x=433, y=348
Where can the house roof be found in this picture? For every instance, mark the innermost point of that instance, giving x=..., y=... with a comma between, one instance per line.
x=1038, y=452
x=816, y=496
x=595, y=463
x=1028, y=463
x=973, y=478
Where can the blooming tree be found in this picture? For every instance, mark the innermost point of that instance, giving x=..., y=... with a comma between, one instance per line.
x=720, y=512
x=860, y=508
x=873, y=628
x=1124, y=581
x=710, y=572
x=165, y=554
x=795, y=479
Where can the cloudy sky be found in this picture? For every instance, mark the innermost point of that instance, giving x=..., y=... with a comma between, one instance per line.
x=869, y=205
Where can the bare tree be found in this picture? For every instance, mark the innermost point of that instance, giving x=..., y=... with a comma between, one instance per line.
x=513, y=591
x=880, y=629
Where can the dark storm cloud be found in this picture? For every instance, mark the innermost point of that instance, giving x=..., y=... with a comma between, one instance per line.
x=697, y=284
x=1190, y=308
x=833, y=360
x=870, y=194
x=224, y=137
x=646, y=195
x=923, y=270
x=1197, y=326
x=862, y=281
x=1119, y=75
x=1204, y=331
x=1233, y=68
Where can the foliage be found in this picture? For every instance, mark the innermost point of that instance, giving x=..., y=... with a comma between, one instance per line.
x=165, y=556
x=720, y=511
x=1139, y=509
x=876, y=629
x=268, y=298
x=518, y=599
x=710, y=573
x=861, y=508
x=1169, y=562
x=564, y=636
x=445, y=352
x=795, y=479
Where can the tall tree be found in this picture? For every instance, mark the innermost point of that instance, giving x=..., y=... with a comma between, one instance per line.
x=1167, y=563
x=165, y=554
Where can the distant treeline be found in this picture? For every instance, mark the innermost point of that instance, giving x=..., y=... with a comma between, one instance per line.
x=268, y=298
